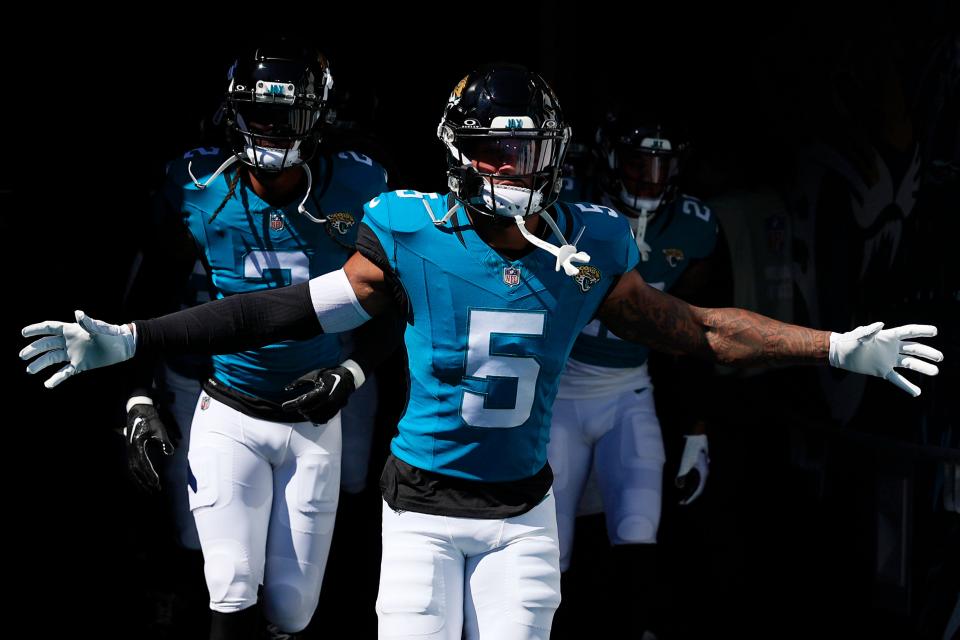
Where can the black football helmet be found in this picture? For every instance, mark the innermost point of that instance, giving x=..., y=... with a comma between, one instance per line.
x=506, y=140
x=277, y=103
x=640, y=160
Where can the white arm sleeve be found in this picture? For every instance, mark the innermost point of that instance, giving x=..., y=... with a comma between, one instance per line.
x=335, y=302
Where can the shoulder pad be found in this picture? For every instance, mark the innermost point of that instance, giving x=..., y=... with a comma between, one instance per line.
x=202, y=162
x=601, y=222
x=404, y=211
x=358, y=166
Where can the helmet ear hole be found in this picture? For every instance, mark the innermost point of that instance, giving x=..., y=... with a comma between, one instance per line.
x=465, y=182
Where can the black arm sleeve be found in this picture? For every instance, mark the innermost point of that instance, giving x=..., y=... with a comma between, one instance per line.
x=240, y=322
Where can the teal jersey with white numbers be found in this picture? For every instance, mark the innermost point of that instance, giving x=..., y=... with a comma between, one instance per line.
x=685, y=230
x=251, y=245
x=488, y=337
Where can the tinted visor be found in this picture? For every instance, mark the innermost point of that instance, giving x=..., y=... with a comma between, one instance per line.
x=644, y=174
x=277, y=122
x=508, y=155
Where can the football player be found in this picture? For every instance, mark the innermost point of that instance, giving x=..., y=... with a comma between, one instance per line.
x=604, y=419
x=268, y=211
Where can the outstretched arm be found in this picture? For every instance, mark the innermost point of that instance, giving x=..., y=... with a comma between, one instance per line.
x=337, y=301
x=637, y=312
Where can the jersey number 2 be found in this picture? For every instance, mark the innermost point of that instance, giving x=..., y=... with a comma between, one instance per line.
x=257, y=265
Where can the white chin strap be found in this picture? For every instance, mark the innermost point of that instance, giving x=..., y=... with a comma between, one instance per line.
x=511, y=201
x=302, y=206
x=232, y=159
x=639, y=225
x=644, y=208
x=565, y=253
x=216, y=174
x=442, y=221
x=517, y=202
x=280, y=159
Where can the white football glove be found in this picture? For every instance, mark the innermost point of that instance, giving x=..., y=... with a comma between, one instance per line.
x=874, y=352
x=694, y=468
x=85, y=344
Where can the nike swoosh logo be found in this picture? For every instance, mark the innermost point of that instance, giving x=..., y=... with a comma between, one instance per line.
x=335, y=382
x=136, y=424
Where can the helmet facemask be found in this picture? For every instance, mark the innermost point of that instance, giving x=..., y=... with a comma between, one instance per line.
x=271, y=127
x=510, y=171
x=645, y=176
x=511, y=168
x=277, y=103
x=505, y=137
x=642, y=165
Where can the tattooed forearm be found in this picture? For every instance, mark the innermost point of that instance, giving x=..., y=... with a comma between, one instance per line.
x=744, y=338
x=640, y=313
x=663, y=323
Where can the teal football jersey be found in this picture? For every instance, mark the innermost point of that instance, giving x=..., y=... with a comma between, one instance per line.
x=488, y=337
x=250, y=245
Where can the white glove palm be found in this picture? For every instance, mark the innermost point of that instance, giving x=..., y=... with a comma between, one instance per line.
x=874, y=352
x=85, y=344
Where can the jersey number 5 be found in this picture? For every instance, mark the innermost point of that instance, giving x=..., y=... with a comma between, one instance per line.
x=500, y=369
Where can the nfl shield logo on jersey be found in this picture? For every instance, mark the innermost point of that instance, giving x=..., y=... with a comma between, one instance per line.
x=276, y=222
x=204, y=403
x=511, y=276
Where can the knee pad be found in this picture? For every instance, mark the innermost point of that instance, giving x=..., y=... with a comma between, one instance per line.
x=636, y=516
x=290, y=601
x=635, y=529
x=230, y=578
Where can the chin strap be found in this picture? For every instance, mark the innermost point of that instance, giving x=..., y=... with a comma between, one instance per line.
x=442, y=221
x=301, y=208
x=232, y=159
x=203, y=185
x=641, y=233
x=565, y=253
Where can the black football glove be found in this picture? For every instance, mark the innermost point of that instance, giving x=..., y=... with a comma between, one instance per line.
x=143, y=427
x=323, y=393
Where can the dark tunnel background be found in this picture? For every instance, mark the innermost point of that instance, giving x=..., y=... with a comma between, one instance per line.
x=825, y=513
